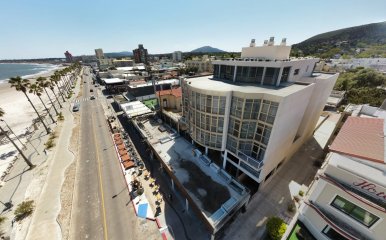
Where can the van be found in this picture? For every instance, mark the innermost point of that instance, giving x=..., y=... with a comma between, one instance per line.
x=76, y=106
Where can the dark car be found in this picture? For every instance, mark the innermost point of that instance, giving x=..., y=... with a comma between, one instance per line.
x=91, y=90
x=76, y=106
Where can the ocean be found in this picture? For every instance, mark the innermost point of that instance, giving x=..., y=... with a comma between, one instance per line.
x=24, y=70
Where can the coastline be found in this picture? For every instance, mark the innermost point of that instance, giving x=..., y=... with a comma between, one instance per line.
x=19, y=115
x=50, y=68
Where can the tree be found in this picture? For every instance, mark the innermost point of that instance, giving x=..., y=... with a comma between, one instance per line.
x=276, y=228
x=29, y=163
x=54, y=79
x=43, y=84
x=21, y=85
x=37, y=90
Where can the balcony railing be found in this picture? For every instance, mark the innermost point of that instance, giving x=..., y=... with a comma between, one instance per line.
x=250, y=160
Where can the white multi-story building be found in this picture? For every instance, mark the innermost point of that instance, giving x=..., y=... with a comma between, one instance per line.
x=177, y=56
x=348, y=198
x=99, y=53
x=255, y=111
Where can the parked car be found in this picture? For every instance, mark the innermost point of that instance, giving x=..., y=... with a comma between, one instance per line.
x=91, y=90
x=92, y=97
x=76, y=106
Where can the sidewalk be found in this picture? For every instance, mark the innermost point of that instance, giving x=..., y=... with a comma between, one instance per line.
x=22, y=184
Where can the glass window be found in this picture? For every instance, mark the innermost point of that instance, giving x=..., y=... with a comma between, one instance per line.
x=271, y=75
x=357, y=213
x=332, y=234
x=222, y=105
x=285, y=74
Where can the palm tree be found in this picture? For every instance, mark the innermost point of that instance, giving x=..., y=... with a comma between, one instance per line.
x=14, y=144
x=21, y=85
x=54, y=79
x=37, y=90
x=52, y=88
x=43, y=84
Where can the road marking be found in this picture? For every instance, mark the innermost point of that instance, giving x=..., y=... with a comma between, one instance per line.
x=100, y=181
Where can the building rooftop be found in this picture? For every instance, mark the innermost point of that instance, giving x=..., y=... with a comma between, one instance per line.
x=207, y=82
x=365, y=111
x=212, y=190
x=134, y=109
x=112, y=80
x=362, y=138
x=177, y=92
x=134, y=68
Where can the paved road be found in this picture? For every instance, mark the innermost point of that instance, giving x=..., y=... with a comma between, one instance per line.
x=102, y=207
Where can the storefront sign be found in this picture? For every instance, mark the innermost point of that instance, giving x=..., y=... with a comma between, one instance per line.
x=370, y=188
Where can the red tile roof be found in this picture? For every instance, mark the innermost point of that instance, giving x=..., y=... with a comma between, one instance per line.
x=177, y=92
x=362, y=138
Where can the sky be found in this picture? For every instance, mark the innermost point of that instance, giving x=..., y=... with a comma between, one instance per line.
x=47, y=28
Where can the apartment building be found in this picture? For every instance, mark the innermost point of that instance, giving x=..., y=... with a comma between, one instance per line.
x=99, y=53
x=177, y=56
x=348, y=198
x=140, y=54
x=203, y=65
x=255, y=111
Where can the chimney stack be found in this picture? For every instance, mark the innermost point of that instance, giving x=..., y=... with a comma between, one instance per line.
x=265, y=43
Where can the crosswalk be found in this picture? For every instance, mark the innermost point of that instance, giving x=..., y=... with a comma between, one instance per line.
x=83, y=100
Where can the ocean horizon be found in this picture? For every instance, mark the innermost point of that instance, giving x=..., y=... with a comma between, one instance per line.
x=24, y=70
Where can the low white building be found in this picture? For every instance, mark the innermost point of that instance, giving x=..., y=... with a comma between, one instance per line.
x=203, y=65
x=347, y=200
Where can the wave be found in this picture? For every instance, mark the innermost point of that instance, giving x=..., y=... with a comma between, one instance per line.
x=43, y=70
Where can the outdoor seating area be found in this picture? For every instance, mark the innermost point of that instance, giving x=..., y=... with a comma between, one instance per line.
x=124, y=154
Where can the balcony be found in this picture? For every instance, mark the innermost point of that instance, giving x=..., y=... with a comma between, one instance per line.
x=250, y=160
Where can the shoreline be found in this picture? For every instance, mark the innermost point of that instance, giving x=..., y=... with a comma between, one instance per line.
x=50, y=68
x=19, y=115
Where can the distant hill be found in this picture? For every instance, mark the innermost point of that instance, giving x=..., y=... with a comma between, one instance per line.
x=119, y=54
x=370, y=39
x=207, y=49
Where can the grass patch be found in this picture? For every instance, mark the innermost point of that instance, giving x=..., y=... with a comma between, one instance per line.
x=151, y=103
x=50, y=142
x=24, y=209
x=2, y=220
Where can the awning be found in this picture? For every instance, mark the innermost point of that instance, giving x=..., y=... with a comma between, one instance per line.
x=121, y=147
x=125, y=157
x=128, y=164
x=122, y=152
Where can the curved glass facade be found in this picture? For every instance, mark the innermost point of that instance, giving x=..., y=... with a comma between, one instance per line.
x=206, y=118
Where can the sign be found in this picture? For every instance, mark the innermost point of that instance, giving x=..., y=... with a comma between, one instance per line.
x=370, y=188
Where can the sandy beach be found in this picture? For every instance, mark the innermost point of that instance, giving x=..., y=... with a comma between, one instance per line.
x=19, y=115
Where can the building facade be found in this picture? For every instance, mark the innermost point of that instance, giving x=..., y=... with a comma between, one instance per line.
x=140, y=54
x=99, y=53
x=105, y=63
x=123, y=63
x=203, y=65
x=256, y=111
x=348, y=198
x=177, y=56
x=68, y=56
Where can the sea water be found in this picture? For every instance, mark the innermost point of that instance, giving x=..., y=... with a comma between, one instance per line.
x=24, y=70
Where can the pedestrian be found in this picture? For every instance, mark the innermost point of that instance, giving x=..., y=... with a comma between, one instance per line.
x=45, y=151
x=13, y=221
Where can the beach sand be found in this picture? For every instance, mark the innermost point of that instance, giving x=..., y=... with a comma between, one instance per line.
x=19, y=115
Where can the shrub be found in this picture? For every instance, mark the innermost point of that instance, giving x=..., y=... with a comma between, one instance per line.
x=276, y=228
x=50, y=143
x=291, y=207
x=301, y=193
x=24, y=209
x=2, y=220
x=60, y=116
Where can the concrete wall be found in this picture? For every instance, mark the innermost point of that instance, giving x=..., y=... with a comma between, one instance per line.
x=268, y=52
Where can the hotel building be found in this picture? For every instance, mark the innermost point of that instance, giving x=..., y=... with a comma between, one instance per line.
x=255, y=111
x=348, y=198
x=99, y=53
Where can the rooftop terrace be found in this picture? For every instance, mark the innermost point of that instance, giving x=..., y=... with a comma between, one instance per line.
x=210, y=188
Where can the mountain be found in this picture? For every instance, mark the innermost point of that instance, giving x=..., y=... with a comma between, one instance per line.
x=207, y=49
x=119, y=54
x=369, y=37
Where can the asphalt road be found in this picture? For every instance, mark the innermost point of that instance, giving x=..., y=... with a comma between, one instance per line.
x=102, y=207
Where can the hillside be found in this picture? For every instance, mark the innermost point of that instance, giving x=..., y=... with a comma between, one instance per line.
x=207, y=49
x=361, y=41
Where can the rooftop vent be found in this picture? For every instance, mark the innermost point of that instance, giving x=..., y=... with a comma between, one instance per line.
x=265, y=43
x=253, y=44
x=271, y=41
x=283, y=42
